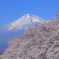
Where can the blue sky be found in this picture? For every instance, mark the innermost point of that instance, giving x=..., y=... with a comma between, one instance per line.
x=11, y=10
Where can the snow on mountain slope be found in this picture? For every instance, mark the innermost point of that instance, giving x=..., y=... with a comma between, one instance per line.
x=24, y=21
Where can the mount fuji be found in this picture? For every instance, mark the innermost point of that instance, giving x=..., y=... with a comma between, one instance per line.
x=17, y=27
x=24, y=22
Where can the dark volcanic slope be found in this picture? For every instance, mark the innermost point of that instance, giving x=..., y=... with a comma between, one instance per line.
x=41, y=42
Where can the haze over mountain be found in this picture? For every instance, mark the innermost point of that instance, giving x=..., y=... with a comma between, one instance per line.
x=17, y=27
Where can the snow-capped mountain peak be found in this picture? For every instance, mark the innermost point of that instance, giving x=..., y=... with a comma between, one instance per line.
x=24, y=21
